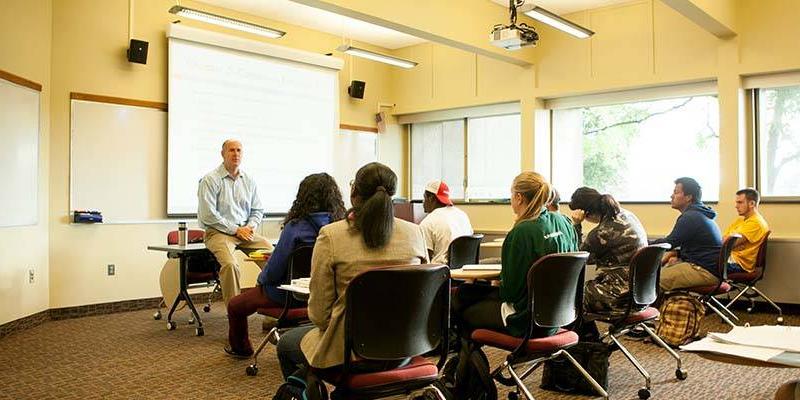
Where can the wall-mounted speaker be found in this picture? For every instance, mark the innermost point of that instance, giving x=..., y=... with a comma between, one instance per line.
x=137, y=52
x=356, y=89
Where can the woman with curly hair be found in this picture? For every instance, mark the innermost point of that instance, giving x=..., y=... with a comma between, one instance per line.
x=317, y=204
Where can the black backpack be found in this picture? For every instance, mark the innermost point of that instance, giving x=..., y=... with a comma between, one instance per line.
x=561, y=376
x=467, y=375
x=297, y=388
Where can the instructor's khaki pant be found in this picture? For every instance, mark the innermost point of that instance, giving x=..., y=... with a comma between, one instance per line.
x=222, y=246
x=685, y=275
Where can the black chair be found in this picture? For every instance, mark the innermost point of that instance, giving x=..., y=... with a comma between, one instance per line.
x=464, y=250
x=555, y=295
x=294, y=311
x=393, y=314
x=744, y=282
x=705, y=294
x=645, y=270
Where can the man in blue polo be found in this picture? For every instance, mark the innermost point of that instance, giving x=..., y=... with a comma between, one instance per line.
x=697, y=236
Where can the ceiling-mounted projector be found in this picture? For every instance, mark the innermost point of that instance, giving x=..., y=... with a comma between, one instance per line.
x=513, y=36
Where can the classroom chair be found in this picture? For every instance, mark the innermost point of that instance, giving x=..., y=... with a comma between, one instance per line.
x=645, y=270
x=744, y=282
x=555, y=295
x=203, y=271
x=706, y=293
x=464, y=250
x=393, y=313
x=294, y=311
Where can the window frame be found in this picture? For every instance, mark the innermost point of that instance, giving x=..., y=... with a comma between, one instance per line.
x=465, y=184
x=755, y=113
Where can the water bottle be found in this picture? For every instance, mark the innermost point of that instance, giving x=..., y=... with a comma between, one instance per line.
x=182, y=234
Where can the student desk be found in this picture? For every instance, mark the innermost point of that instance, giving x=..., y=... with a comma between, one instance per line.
x=183, y=253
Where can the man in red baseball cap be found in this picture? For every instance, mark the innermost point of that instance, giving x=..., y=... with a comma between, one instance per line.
x=443, y=223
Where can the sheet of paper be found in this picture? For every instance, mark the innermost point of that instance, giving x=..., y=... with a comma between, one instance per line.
x=754, y=353
x=769, y=336
x=296, y=289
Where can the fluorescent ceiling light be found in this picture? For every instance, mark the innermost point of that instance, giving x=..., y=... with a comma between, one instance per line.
x=226, y=22
x=542, y=15
x=398, y=62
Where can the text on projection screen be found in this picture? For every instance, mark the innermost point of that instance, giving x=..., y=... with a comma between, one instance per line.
x=283, y=112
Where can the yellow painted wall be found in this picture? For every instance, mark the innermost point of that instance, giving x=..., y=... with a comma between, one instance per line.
x=25, y=41
x=89, y=43
x=638, y=44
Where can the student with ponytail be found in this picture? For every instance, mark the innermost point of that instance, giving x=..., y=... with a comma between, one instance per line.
x=611, y=244
x=369, y=236
x=536, y=233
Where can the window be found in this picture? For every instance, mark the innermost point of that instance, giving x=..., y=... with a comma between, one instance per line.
x=635, y=150
x=492, y=156
x=437, y=152
x=778, y=138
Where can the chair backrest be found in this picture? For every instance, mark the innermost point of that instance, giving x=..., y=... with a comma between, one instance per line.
x=464, y=250
x=299, y=267
x=724, y=254
x=555, y=289
x=645, y=272
x=393, y=313
x=761, y=258
x=193, y=236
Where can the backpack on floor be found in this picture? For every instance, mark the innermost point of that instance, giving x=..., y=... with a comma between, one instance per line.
x=680, y=319
x=467, y=375
x=303, y=385
x=561, y=376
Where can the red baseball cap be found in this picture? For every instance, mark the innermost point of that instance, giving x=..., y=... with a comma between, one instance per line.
x=440, y=189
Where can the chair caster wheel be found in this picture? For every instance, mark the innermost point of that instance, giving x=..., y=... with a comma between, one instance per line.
x=779, y=321
x=251, y=370
x=206, y=308
x=644, y=393
x=681, y=374
x=199, y=331
x=171, y=325
x=191, y=321
x=513, y=396
x=157, y=315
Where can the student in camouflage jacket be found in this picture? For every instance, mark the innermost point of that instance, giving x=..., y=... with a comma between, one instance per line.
x=611, y=244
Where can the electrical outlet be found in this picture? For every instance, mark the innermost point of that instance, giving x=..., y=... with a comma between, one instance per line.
x=111, y=269
x=31, y=276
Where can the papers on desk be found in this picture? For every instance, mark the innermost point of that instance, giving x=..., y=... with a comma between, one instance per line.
x=775, y=344
x=482, y=267
x=301, y=287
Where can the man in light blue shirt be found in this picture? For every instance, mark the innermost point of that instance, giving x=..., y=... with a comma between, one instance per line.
x=229, y=210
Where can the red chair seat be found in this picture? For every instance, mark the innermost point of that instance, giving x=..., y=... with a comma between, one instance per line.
x=492, y=338
x=293, y=314
x=724, y=288
x=197, y=277
x=644, y=315
x=744, y=277
x=417, y=368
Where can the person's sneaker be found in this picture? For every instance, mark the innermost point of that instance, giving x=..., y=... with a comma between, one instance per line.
x=235, y=354
x=637, y=333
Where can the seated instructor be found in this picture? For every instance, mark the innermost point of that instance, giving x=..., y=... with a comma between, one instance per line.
x=229, y=210
x=753, y=228
x=697, y=236
x=444, y=222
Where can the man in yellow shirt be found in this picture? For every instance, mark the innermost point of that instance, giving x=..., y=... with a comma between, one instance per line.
x=753, y=228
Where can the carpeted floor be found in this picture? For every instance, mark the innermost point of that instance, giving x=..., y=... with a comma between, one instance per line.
x=131, y=356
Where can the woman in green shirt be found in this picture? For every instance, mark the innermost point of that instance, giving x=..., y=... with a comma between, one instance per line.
x=536, y=233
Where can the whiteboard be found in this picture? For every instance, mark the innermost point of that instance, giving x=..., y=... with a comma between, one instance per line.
x=118, y=158
x=19, y=154
x=352, y=149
